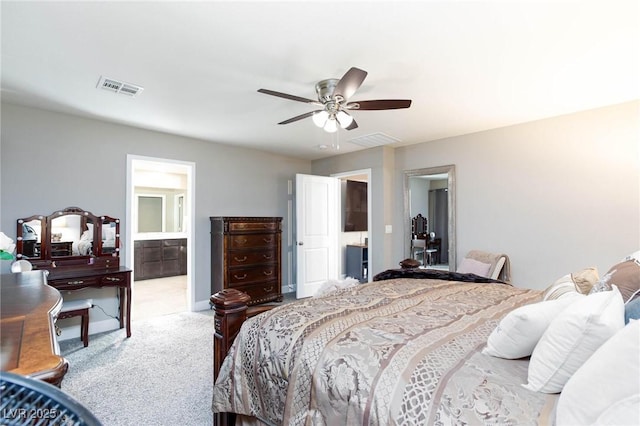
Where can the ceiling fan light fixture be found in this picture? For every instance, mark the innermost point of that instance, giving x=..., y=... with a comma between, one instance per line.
x=333, y=95
x=331, y=126
x=344, y=119
x=320, y=118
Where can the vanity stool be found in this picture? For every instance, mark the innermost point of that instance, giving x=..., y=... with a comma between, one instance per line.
x=75, y=308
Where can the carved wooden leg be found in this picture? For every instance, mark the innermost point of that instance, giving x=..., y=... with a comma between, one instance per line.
x=230, y=308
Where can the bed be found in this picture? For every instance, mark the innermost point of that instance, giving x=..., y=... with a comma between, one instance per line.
x=406, y=349
x=425, y=347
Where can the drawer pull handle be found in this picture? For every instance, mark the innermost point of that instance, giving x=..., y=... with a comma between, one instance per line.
x=267, y=256
x=239, y=260
x=267, y=290
x=112, y=278
x=75, y=282
x=268, y=273
x=267, y=240
x=242, y=240
x=239, y=278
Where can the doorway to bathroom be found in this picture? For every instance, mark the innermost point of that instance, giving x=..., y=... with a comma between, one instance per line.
x=160, y=200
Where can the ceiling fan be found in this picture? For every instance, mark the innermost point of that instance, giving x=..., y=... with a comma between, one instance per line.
x=333, y=97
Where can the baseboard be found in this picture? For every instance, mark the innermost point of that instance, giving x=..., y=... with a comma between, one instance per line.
x=95, y=327
x=201, y=305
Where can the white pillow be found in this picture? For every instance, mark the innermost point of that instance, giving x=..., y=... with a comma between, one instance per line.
x=519, y=331
x=572, y=337
x=560, y=288
x=606, y=389
x=472, y=266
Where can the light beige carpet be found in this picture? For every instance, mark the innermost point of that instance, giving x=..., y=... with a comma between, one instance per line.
x=161, y=375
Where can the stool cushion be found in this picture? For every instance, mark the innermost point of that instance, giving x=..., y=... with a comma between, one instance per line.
x=74, y=305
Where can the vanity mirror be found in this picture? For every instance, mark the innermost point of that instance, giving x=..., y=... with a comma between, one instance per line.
x=69, y=237
x=29, y=237
x=80, y=250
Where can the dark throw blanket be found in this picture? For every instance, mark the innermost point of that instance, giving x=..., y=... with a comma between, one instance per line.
x=433, y=274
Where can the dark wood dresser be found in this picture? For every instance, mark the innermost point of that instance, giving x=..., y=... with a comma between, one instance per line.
x=246, y=256
x=160, y=258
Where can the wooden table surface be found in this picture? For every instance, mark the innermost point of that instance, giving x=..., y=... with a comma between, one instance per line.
x=28, y=309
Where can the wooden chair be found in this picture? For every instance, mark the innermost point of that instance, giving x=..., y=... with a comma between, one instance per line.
x=75, y=308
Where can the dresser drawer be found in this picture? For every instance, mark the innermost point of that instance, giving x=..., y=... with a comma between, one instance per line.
x=113, y=279
x=252, y=241
x=242, y=276
x=89, y=281
x=253, y=226
x=74, y=283
x=263, y=292
x=254, y=257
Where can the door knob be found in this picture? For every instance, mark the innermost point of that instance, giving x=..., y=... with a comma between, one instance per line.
x=300, y=243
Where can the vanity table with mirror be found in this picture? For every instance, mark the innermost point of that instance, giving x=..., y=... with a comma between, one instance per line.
x=79, y=250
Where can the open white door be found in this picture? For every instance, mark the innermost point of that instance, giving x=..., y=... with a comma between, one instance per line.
x=317, y=227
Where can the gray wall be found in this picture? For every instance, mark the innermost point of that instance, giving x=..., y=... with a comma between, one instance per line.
x=556, y=195
x=51, y=161
x=381, y=162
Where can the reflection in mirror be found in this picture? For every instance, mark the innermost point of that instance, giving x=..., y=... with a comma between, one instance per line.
x=430, y=192
x=72, y=235
x=29, y=237
x=110, y=241
x=151, y=213
x=159, y=210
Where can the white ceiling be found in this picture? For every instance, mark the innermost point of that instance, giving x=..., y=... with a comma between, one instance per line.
x=467, y=66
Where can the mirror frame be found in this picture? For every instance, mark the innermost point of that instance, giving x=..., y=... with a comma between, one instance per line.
x=96, y=259
x=104, y=220
x=20, y=240
x=85, y=217
x=451, y=201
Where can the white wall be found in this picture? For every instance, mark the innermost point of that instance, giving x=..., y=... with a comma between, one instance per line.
x=556, y=195
x=51, y=161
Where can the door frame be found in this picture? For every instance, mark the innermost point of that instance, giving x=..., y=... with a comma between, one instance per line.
x=189, y=169
x=371, y=240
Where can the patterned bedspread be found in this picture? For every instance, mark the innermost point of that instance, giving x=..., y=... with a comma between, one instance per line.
x=396, y=352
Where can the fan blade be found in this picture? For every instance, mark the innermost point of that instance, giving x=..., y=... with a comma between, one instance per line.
x=352, y=126
x=299, y=117
x=349, y=83
x=379, y=104
x=290, y=97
